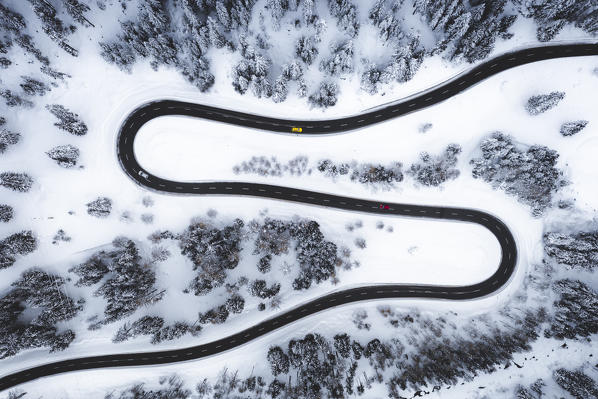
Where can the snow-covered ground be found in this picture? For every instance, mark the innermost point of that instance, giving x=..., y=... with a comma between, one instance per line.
x=387, y=253
x=545, y=355
x=190, y=149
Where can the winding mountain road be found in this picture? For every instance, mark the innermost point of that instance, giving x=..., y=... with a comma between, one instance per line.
x=126, y=156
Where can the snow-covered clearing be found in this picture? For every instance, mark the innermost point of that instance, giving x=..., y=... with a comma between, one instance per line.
x=48, y=204
x=423, y=252
x=192, y=149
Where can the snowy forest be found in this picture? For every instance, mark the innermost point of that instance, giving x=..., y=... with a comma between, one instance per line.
x=382, y=42
x=88, y=259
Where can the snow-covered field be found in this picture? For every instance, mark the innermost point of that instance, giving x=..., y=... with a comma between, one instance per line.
x=192, y=149
x=387, y=253
x=423, y=252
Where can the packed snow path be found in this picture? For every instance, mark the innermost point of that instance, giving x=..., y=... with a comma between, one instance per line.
x=430, y=97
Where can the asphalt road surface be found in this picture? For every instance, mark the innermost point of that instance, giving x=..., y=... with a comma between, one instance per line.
x=423, y=100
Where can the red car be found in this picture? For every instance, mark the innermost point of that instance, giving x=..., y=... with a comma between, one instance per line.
x=382, y=206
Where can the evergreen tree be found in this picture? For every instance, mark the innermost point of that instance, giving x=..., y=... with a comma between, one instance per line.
x=126, y=284
x=531, y=175
x=68, y=120
x=541, y=103
x=20, y=182
x=346, y=15
x=433, y=171
x=100, y=207
x=18, y=244
x=551, y=16
x=280, y=90
x=279, y=361
x=571, y=128
x=340, y=61
x=307, y=49
x=325, y=96
x=8, y=138
x=41, y=294
x=34, y=87
x=118, y=53
x=4, y=62
x=6, y=213
x=277, y=9
x=577, y=383
x=14, y=100
x=77, y=11
x=575, y=251
x=576, y=311
x=64, y=155
x=235, y=304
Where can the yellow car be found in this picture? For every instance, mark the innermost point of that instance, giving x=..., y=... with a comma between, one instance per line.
x=296, y=130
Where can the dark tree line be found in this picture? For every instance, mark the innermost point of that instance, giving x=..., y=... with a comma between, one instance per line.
x=575, y=251
x=576, y=310
x=466, y=31
x=41, y=294
x=126, y=283
x=551, y=16
x=323, y=367
x=462, y=30
x=576, y=383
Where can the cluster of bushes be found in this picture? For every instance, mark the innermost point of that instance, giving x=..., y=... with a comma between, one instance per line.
x=435, y=170
x=154, y=326
x=316, y=256
x=430, y=170
x=125, y=282
x=365, y=173
x=531, y=175
x=264, y=166
x=213, y=251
